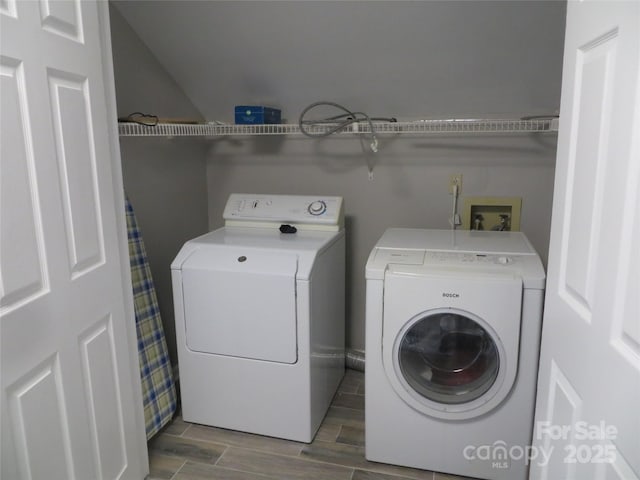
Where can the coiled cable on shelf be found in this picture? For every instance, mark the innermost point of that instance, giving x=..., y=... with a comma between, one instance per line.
x=339, y=122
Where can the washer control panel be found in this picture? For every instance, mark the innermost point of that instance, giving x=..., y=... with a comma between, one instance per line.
x=294, y=209
x=463, y=258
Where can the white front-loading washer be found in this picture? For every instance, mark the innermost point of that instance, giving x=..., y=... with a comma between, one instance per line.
x=259, y=309
x=453, y=323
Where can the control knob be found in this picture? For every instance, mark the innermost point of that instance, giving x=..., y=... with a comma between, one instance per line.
x=317, y=208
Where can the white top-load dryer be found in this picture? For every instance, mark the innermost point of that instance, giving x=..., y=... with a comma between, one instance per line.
x=259, y=309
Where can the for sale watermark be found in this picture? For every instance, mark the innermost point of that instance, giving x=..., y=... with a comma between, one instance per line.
x=580, y=442
x=579, y=431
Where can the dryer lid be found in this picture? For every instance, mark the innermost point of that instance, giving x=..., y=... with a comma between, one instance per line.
x=305, y=245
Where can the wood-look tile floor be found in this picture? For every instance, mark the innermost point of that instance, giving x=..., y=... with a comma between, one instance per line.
x=185, y=451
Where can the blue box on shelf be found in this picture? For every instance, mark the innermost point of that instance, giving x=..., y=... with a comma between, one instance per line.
x=256, y=115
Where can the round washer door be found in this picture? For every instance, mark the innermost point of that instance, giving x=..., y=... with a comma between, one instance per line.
x=450, y=364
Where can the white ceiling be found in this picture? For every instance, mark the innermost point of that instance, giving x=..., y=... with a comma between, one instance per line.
x=389, y=58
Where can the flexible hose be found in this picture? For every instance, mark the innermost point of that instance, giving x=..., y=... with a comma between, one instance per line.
x=338, y=122
x=355, y=359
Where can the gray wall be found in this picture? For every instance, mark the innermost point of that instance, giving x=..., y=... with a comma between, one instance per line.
x=409, y=187
x=410, y=60
x=388, y=58
x=164, y=178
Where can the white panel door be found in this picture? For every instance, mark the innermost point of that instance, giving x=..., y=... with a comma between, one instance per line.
x=71, y=405
x=589, y=382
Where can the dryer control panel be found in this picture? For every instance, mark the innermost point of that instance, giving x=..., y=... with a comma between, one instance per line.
x=312, y=212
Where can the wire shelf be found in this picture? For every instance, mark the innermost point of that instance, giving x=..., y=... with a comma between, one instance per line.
x=129, y=129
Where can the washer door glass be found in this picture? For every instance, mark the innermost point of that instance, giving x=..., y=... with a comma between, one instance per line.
x=448, y=358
